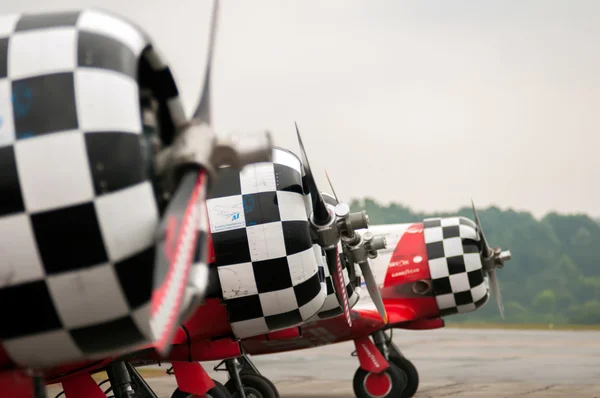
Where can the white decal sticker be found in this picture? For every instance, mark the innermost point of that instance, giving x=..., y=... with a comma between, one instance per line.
x=226, y=213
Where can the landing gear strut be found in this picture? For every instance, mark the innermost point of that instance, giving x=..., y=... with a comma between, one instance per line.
x=245, y=381
x=126, y=382
x=384, y=371
x=194, y=382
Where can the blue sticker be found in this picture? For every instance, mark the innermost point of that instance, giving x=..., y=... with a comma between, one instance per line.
x=248, y=204
x=236, y=216
x=22, y=99
x=1, y=121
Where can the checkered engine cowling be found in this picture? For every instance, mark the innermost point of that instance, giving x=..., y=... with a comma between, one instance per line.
x=266, y=261
x=459, y=283
x=78, y=209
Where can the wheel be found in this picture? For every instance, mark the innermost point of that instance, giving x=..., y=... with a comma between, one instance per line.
x=219, y=391
x=255, y=386
x=389, y=384
x=411, y=372
x=251, y=372
x=223, y=390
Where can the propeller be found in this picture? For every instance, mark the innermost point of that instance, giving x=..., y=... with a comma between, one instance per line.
x=322, y=219
x=203, y=111
x=372, y=245
x=330, y=227
x=321, y=214
x=331, y=186
x=187, y=168
x=176, y=235
x=491, y=259
x=196, y=144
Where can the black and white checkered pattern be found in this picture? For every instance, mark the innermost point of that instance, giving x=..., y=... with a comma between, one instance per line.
x=332, y=308
x=455, y=264
x=77, y=211
x=268, y=272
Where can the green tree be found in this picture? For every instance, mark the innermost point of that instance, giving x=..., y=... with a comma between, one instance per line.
x=588, y=313
x=545, y=302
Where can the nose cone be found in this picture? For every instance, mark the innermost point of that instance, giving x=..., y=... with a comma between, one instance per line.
x=453, y=250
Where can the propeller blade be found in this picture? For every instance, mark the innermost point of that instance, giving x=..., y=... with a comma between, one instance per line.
x=486, y=250
x=320, y=212
x=374, y=290
x=337, y=273
x=495, y=286
x=203, y=111
x=175, y=243
x=331, y=185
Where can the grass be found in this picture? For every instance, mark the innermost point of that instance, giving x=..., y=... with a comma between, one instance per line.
x=520, y=326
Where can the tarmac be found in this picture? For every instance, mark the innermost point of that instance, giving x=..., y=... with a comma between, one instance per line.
x=451, y=363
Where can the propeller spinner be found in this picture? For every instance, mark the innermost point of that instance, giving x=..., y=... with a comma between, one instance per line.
x=492, y=259
x=334, y=224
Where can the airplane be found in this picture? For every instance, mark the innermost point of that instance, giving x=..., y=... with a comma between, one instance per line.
x=104, y=180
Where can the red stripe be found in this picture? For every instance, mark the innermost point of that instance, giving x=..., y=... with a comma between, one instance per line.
x=159, y=295
x=340, y=286
x=409, y=260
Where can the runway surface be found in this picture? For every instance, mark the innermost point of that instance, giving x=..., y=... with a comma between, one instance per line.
x=451, y=363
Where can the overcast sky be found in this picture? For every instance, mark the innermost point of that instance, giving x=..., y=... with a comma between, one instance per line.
x=423, y=102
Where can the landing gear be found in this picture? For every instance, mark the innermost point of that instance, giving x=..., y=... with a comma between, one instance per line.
x=388, y=384
x=126, y=382
x=245, y=381
x=412, y=383
x=391, y=352
x=371, y=382
x=194, y=382
x=255, y=386
x=219, y=391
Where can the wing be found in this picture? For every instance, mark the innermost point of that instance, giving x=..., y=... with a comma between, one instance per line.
x=317, y=333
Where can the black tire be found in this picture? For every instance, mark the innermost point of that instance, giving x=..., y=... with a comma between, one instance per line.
x=223, y=389
x=254, y=384
x=219, y=391
x=252, y=372
x=395, y=377
x=411, y=372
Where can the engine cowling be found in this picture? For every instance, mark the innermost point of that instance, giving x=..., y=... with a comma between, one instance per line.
x=71, y=302
x=263, y=250
x=432, y=269
x=454, y=255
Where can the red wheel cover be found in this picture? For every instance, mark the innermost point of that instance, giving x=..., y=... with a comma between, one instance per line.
x=378, y=385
